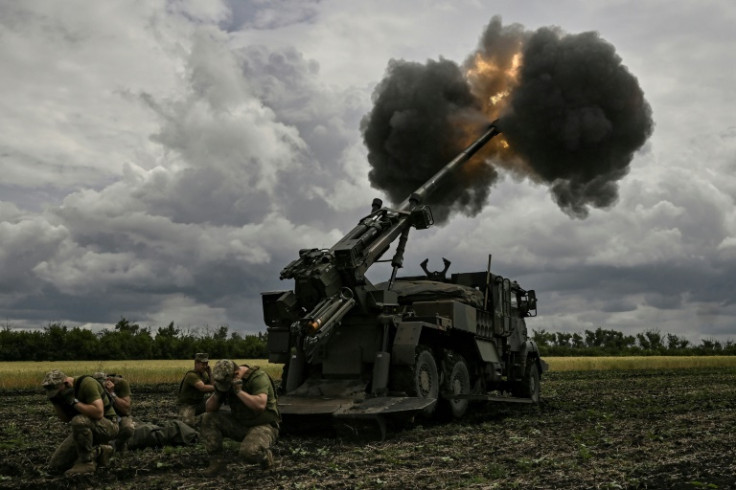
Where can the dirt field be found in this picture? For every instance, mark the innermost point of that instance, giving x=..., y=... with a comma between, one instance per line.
x=614, y=429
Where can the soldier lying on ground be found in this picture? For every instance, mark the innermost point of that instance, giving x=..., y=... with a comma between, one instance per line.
x=138, y=435
x=192, y=390
x=253, y=417
x=83, y=403
x=168, y=433
x=120, y=396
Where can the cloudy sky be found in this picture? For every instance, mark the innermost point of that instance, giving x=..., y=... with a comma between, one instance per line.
x=163, y=160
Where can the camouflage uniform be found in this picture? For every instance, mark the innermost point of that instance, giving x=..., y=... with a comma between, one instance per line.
x=121, y=389
x=190, y=401
x=136, y=435
x=168, y=433
x=83, y=444
x=258, y=431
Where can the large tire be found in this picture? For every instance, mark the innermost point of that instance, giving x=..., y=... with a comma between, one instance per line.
x=529, y=386
x=456, y=382
x=421, y=379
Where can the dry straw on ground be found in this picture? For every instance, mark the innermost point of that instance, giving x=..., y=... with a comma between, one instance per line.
x=28, y=375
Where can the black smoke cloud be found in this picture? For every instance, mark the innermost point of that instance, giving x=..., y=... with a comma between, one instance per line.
x=571, y=112
x=577, y=116
x=414, y=129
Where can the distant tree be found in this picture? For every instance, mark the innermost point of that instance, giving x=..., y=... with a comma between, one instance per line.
x=710, y=346
x=543, y=338
x=127, y=341
x=655, y=339
x=142, y=345
x=651, y=341
x=11, y=345
x=729, y=348
x=221, y=333
x=676, y=343
x=167, y=343
x=126, y=327
x=55, y=342
x=82, y=343
x=563, y=339
x=594, y=338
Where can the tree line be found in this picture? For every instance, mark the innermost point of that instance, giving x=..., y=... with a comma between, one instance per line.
x=604, y=342
x=125, y=341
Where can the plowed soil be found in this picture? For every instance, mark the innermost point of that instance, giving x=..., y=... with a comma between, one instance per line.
x=640, y=429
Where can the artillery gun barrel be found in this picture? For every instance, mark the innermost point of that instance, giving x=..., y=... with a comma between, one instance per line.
x=428, y=187
x=382, y=243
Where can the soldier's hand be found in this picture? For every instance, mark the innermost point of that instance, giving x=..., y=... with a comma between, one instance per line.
x=237, y=385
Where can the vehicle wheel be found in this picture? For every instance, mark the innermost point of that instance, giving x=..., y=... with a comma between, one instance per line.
x=422, y=379
x=529, y=386
x=456, y=382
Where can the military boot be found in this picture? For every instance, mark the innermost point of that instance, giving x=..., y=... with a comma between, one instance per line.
x=81, y=469
x=217, y=466
x=104, y=454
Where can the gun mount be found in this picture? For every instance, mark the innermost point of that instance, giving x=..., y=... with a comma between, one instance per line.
x=429, y=344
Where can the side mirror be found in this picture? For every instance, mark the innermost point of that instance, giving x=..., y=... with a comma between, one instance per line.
x=532, y=295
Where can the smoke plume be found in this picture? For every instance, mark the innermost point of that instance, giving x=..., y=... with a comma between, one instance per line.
x=572, y=117
x=415, y=128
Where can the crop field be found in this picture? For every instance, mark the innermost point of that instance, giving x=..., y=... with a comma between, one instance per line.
x=665, y=427
x=28, y=375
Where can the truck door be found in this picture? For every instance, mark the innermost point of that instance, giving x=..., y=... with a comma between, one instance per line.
x=502, y=306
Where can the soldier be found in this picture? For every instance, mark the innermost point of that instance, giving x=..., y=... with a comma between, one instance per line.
x=85, y=405
x=192, y=390
x=253, y=417
x=120, y=396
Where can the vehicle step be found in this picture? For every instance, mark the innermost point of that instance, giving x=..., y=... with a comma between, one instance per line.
x=492, y=398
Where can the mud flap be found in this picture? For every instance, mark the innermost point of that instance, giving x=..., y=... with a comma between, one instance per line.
x=379, y=409
x=351, y=411
x=385, y=405
x=297, y=405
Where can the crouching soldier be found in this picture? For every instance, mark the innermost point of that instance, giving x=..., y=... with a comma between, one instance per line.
x=118, y=389
x=83, y=403
x=253, y=417
x=193, y=388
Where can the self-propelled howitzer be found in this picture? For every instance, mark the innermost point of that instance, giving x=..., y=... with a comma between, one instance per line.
x=353, y=349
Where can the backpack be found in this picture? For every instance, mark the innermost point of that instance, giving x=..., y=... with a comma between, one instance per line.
x=71, y=412
x=181, y=384
x=273, y=386
x=106, y=400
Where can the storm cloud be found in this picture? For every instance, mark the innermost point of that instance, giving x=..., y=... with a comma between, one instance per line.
x=164, y=160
